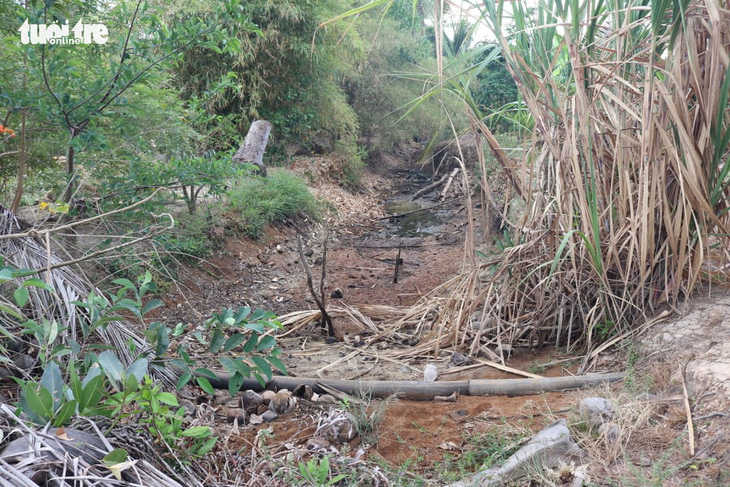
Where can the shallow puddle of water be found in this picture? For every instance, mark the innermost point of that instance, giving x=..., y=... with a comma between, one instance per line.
x=413, y=223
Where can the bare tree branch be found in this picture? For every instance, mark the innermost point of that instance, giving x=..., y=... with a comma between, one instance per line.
x=320, y=300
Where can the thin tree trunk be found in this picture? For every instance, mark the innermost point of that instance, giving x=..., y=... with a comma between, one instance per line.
x=21, y=164
x=21, y=167
x=70, y=173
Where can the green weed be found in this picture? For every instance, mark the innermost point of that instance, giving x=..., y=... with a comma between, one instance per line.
x=261, y=201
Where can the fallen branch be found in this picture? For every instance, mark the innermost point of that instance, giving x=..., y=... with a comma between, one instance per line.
x=448, y=183
x=688, y=410
x=428, y=188
x=489, y=363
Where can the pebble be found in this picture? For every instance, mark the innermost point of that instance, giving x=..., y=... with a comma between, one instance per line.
x=5, y=374
x=251, y=401
x=430, y=373
x=16, y=346
x=269, y=416
x=327, y=399
x=610, y=431
x=459, y=359
x=236, y=414
x=189, y=407
x=595, y=410
x=24, y=362
x=267, y=396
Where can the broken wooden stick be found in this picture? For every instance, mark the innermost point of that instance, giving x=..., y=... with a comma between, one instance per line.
x=688, y=409
x=321, y=299
x=428, y=188
x=398, y=263
x=448, y=183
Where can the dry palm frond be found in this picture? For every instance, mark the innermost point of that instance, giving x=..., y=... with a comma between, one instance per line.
x=60, y=460
x=362, y=315
x=68, y=286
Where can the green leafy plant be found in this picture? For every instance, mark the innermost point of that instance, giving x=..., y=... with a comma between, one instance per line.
x=111, y=389
x=160, y=411
x=52, y=399
x=318, y=472
x=368, y=418
x=243, y=331
x=479, y=452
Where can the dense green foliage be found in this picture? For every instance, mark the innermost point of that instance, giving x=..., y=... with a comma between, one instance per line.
x=284, y=74
x=181, y=81
x=80, y=378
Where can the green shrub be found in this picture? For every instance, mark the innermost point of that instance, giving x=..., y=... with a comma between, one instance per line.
x=197, y=235
x=260, y=201
x=353, y=157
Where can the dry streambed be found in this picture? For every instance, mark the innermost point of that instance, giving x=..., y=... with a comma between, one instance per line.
x=417, y=436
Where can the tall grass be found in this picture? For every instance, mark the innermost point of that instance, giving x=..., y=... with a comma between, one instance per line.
x=628, y=183
x=626, y=176
x=260, y=201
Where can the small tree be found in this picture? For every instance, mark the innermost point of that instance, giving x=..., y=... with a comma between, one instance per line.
x=84, y=83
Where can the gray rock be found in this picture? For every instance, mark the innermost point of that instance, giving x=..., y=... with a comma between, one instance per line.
x=547, y=449
x=16, y=346
x=222, y=398
x=595, y=410
x=327, y=399
x=269, y=416
x=610, y=431
x=5, y=375
x=189, y=407
x=234, y=414
x=24, y=362
x=459, y=360
x=251, y=401
x=267, y=396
